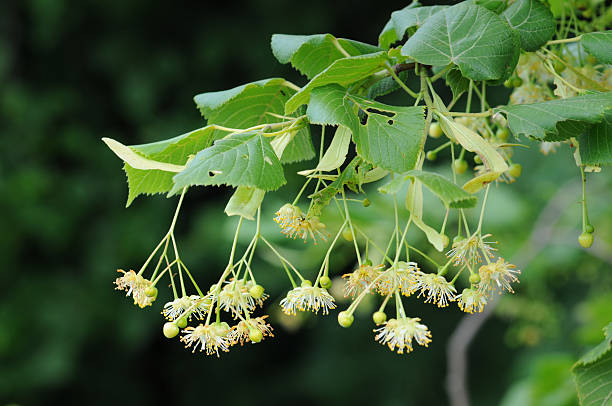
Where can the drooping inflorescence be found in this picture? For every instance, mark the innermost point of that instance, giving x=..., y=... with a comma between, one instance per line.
x=394, y=150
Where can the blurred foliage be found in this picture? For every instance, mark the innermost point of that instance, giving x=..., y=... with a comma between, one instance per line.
x=73, y=72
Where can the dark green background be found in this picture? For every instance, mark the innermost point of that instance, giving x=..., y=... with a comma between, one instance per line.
x=72, y=72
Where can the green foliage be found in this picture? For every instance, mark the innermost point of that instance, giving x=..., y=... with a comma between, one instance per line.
x=344, y=72
x=457, y=82
x=449, y=193
x=557, y=120
x=244, y=202
x=532, y=21
x=244, y=159
x=593, y=374
x=475, y=39
x=403, y=20
x=596, y=143
x=599, y=45
x=311, y=54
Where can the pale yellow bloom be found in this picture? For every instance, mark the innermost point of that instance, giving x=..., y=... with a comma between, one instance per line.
x=307, y=298
x=436, y=289
x=497, y=276
x=136, y=286
x=240, y=332
x=472, y=300
x=207, y=337
x=358, y=280
x=295, y=224
x=399, y=333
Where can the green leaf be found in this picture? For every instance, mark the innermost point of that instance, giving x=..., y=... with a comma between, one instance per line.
x=599, y=44
x=300, y=148
x=330, y=105
x=343, y=71
x=557, y=120
x=451, y=195
x=387, y=85
x=311, y=54
x=243, y=159
x=244, y=202
x=403, y=20
x=391, y=137
x=414, y=203
x=472, y=37
x=497, y=6
x=596, y=143
x=593, y=373
x=323, y=197
x=457, y=83
x=533, y=22
x=174, y=151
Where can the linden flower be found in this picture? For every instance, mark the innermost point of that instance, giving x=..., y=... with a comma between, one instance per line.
x=400, y=333
x=295, y=224
x=309, y=298
x=196, y=305
x=136, y=286
x=235, y=298
x=241, y=331
x=403, y=277
x=472, y=300
x=468, y=250
x=436, y=289
x=547, y=147
x=358, y=280
x=207, y=337
x=497, y=276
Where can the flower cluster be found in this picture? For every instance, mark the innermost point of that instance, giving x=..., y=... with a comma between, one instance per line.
x=295, y=224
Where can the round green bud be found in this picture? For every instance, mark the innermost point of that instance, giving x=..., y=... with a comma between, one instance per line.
x=585, y=240
x=221, y=329
x=517, y=82
x=345, y=319
x=477, y=159
x=458, y=238
x=151, y=291
x=515, y=170
x=306, y=283
x=502, y=134
x=347, y=234
x=508, y=83
x=589, y=228
x=474, y=278
x=435, y=131
x=445, y=240
x=256, y=291
x=171, y=330
x=325, y=282
x=431, y=155
x=368, y=262
x=182, y=322
x=366, y=202
x=255, y=335
x=460, y=166
x=379, y=317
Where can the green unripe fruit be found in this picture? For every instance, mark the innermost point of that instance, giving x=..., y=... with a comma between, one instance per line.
x=502, y=134
x=508, y=83
x=435, y=131
x=559, y=66
x=151, y=291
x=589, y=228
x=366, y=202
x=517, y=82
x=431, y=155
x=460, y=166
x=458, y=238
x=306, y=283
x=515, y=170
x=347, y=234
x=445, y=240
x=345, y=319
x=221, y=329
x=474, y=278
x=255, y=335
x=256, y=291
x=368, y=262
x=477, y=159
x=171, y=330
x=585, y=240
x=379, y=317
x=325, y=282
x=182, y=322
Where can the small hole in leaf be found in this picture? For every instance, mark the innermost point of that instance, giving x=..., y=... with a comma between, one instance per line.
x=389, y=114
x=283, y=93
x=245, y=156
x=390, y=122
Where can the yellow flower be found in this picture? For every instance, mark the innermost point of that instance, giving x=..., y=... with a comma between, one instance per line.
x=468, y=250
x=399, y=333
x=472, y=300
x=136, y=286
x=307, y=298
x=435, y=288
x=241, y=331
x=208, y=337
x=497, y=276
x=402, y=277
x=295, y=224
x=195, y=305
x=360, y=279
